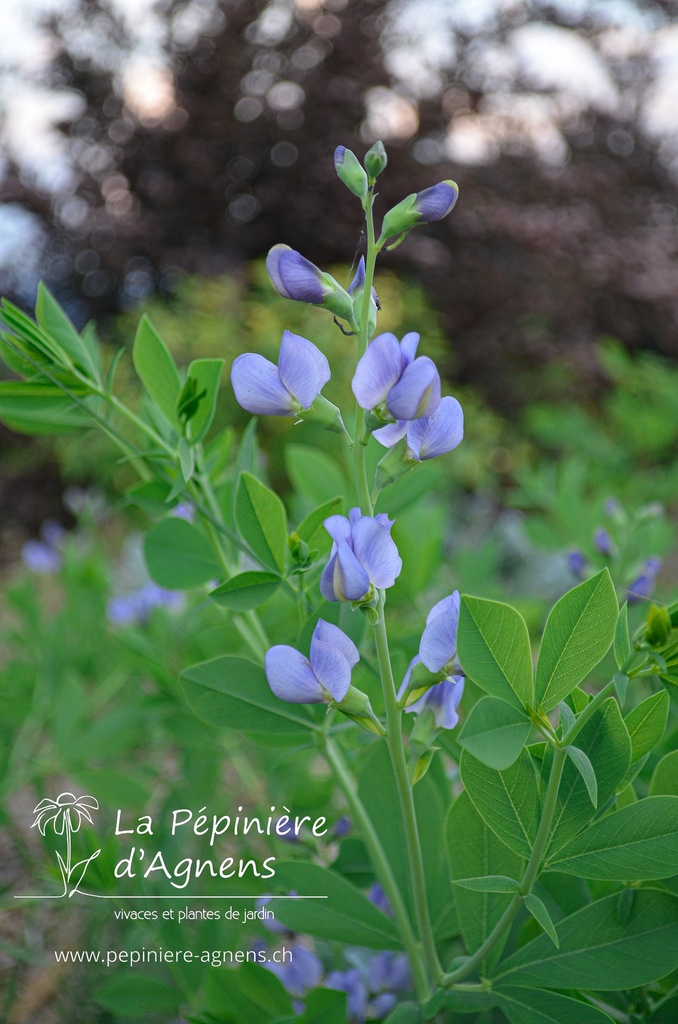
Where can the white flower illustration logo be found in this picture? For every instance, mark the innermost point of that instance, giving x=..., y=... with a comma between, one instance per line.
x=66, y=814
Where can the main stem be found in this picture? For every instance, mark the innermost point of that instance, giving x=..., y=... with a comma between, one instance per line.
x=381, y=864
x=394, y=736
x=528, y=880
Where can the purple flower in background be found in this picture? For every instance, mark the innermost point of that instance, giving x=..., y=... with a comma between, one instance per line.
x=389, y=971
x=603, y=542
x=352, y=984
x=443, y=698
x=359, y=279
x=342, y=827
x=134, y=609
x=612, y=507
x=303, y=972
x=295, y=277
x=389, y=379
x=184, y=511
x=324, y=677
x=644, y=584
x=436, y=202
x=363, y=554
x=428, y=436
x=43, y=556
x=283, y=390
x=378, y=897
x=576, y=561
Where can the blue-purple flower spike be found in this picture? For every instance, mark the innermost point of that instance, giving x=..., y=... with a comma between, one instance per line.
x=428, y=436
x=322, y=678
x=283, y=390
x=363, y=554
x=443, y=698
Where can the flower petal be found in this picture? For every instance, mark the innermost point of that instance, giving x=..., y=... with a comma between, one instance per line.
x=391, y=433
x=378, y=370
x=300, y=278
x=258, y=387
x=351, y=581
x=436, y=202
x=439, y=433
x=439, y=640
x=338, y=527
x=408, y=348
x=331, y=668
x=302, y=368
x=45, y=803
x=376, y=551
x=443, y=699
x=291, y=677
x=327, y=580
x=406, y=677
x=330, y=634
x=417, y=393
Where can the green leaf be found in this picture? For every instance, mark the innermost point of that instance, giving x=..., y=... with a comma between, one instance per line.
x=323, y=1006
x=541, y=915
x=406, y=1013
x=461, y=1001
x=313, y=473
x=577, y=635
x=345, y=916
x=507, y=801
x=665, y=778
x=472, y=848
x=157, y=370
x=312, y=525
x=151, y=496
x=495, y=732
x=261, y=520
x=534, y=1006
x=246, y=591
x=567, y=718
x=186, y=459
x=585, y=768
x=599, y=952
x=605, y=741
x=178, y=556
x=494, y=649
x=207, y=374
x=55, y=323
x=646, y=723
x=124, y=995
x=490, y=883
x=251, y=993
x=36, y=409
x=622, y=639
x=383, y=807
x=232, y=693
x=638, y=842
x=30, y=338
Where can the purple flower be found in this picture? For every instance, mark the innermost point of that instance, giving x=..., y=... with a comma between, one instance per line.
x=295, y=277
x=378, y=897
x=603, y=542
x=389, y=971
x=342, y=827
x=44, y=556
x=390, y=380
x=436, y=202
x=184, y=510
x=303, y=972
x=325, y=677
x=576, y=561
x=438, y=644
x=283, y=390
x=644, y=584
x=443, y=698
x=428, y=436
x=358, y=281
x=134, y=609
x=352, y=984
x=363, y=554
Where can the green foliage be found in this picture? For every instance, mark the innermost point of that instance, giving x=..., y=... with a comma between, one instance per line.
x=157, y=370
x=507, y=801
x=495, y=732
x=260, y=517
x=494, y=650
x=178, y=556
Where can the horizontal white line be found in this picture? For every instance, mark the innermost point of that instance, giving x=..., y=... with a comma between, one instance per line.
x=96, y=896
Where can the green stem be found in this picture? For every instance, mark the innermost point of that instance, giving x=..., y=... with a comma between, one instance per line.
x=586, y=714
x=394, y=739
x=528, y=880
x=381, y=865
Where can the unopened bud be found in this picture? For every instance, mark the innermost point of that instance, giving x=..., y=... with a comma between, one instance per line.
x=375, y=160
x=356, y=705
x=349, y=170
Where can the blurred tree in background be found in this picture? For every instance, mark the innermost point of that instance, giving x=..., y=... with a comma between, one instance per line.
x=549, y=115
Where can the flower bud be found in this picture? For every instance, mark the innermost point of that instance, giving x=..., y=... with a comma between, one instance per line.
x=658, y=626
x=348, y=168
x=419, y=681
x=356, y=705
x=326, y=415
x=418, y=208
x=295, y=277
x=397, y=461
x=375, y=160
